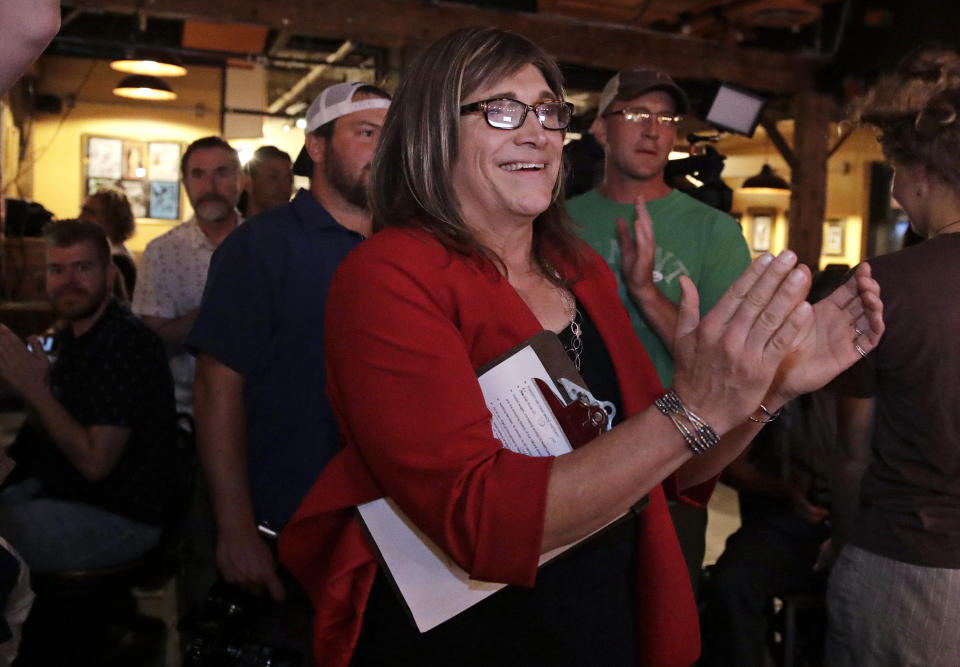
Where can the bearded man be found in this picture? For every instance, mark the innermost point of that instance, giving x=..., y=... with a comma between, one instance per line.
x=96, y=459
x=264, y=426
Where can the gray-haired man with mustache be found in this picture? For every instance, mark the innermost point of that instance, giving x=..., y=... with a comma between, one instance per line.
x=174, y=266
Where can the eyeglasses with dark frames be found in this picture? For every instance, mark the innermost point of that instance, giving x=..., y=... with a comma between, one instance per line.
x=504, y=113
x=640, y=115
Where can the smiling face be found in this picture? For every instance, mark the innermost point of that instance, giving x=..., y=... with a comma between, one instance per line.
x=637, y=151
x=504, y=176
x=78, y=280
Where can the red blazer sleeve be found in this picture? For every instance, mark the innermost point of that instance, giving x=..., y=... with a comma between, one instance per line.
x=403, y=384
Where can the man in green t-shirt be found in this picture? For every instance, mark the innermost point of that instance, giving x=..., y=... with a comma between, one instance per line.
x=674, y=234
x=636, y=124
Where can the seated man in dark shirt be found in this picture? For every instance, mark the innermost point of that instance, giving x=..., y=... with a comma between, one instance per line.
x=96, y=458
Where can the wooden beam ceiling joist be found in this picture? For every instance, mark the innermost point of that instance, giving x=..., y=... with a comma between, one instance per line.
x=414, y=23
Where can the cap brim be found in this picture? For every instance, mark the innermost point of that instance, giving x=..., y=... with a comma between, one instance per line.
x=629, y=84
x=304, y=164
x=681, y=102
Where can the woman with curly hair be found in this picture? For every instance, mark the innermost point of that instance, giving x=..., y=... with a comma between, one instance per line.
x=894, y=594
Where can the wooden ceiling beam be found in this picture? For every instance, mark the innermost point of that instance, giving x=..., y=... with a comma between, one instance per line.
x=414, y=23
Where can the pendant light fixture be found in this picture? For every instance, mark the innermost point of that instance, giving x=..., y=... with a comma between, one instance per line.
x=149, y=64
x=145, y=65
x=767, y=181
x=143, y=87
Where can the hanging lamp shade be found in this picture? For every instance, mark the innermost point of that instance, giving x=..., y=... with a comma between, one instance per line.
x=766, y=181
x=790, y=14
x=142, y=87
x=149, y=65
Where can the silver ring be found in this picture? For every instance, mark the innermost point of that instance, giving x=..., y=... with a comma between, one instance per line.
x=860, y=350
x=857, y=331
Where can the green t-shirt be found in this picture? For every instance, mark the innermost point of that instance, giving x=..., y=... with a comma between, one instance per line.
x=692, y=238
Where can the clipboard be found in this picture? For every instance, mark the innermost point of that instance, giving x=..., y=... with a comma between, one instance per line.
x=580, y=421
x=431, y=587
x=554, y=358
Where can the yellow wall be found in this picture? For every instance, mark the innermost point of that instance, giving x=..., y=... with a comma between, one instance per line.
x=847, y=186
x=9, y=142
x=57, y=140
x=58, y=144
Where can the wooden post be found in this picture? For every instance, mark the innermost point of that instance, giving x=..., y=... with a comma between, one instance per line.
x=808, y=178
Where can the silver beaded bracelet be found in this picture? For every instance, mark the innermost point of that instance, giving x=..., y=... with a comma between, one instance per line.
x=699, y=435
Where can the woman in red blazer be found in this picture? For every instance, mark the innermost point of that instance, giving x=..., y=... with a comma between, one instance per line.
x=474, y=257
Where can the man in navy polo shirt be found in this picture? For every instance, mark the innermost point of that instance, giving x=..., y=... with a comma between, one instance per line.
x=264, y=427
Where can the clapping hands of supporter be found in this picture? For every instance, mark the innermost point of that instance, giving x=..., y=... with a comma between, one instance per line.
x=847, y=324
x=637, y=253
x=726, y=362
x=764, y=343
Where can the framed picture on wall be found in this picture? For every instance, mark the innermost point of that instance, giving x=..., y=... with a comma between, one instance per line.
x=164, y=161
x=134, y=160
x=147, y=171
x=165, y=200
x=104, y=158
x=94, y=184
x=138, y=192
x=761, y=228
x=833, y=237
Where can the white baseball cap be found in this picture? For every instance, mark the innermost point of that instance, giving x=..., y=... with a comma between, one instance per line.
x=333, y=102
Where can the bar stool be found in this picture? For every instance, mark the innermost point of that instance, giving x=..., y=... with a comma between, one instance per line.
x=90, y=617
x=798, y=643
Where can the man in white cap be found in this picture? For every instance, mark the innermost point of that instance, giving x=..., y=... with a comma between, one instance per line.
x=264, y=427
x=673, y=234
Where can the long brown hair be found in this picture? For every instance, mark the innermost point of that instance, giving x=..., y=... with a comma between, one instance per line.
x=411, y=174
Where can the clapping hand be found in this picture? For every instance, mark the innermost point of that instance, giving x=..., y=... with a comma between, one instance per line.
x=846, y=326
x=726, y=362
x=637, y=253
x=763, y=343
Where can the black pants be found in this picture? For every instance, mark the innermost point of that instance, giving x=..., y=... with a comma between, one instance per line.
x=761, y=559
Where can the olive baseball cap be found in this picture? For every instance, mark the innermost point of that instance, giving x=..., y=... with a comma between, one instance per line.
x=630, y=83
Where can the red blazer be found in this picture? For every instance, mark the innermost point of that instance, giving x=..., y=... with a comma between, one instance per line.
x=408, y=324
